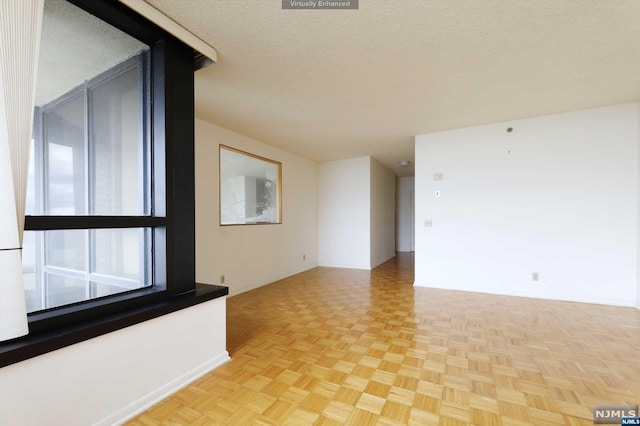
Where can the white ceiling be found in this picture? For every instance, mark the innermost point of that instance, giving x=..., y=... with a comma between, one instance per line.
x=333, y=84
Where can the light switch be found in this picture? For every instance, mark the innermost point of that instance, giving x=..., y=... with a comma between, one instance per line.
x=437, y=194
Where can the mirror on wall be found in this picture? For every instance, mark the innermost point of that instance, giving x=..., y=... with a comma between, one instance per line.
x=250, y=188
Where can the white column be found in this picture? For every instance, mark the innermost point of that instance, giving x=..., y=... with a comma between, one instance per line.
x=20, y=26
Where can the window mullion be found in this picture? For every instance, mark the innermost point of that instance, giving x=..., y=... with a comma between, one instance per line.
x=89, y=261
x=41, y=289
x=44, y=198
x=144, y=148
x=89, y=192
x=45, y=164
x=89, y=155
x=65, y=272
x=146, y=154
x=39, y=174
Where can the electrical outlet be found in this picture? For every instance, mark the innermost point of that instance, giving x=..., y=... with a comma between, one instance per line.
x=535, y=276
x=222, y=279
x=428, y=223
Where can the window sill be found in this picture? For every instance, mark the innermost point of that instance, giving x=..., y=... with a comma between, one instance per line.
x=31, y=346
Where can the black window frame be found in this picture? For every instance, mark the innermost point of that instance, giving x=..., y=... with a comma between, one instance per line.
x=172, y=218
x=86, y=93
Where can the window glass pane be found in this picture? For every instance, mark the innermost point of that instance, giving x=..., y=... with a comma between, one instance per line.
x=62, y=290
x=75, y=47
x=65, y=158
x=91, y=137
x=84, y=264
x=102, y=289
x=121, y=253
x=66, y=249
x=29, y=271
x=117, y=132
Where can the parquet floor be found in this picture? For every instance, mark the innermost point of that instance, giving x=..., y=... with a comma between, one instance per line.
x=333, y=347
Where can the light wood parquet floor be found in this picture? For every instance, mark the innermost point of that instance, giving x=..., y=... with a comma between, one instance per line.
x=336, y=346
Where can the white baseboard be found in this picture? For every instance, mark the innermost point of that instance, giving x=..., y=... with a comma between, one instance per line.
x=147, y=401
x=638, y=304
x=234, y=291
x=328, y=265
x=386, y=259
x=563, y=298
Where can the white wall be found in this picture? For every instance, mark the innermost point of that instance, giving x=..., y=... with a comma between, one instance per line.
x=383, y=213
x=253, y=255
x=344, y=221
x=404, y=224
x=110, y=378
x=557, y=196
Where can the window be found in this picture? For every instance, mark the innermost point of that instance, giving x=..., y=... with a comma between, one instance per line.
x=110, y=204
x=92, y=149
x=250, y=188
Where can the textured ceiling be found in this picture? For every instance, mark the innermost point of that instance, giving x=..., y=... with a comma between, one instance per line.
x=333, y=84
